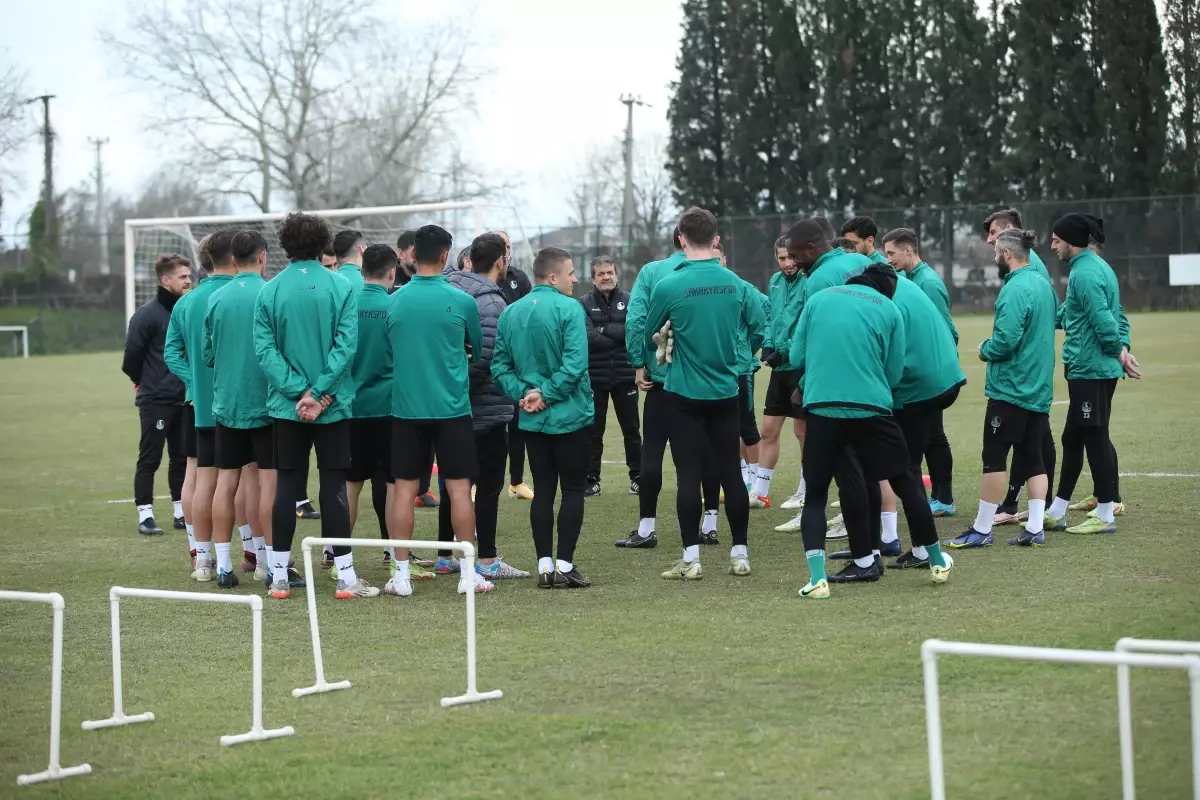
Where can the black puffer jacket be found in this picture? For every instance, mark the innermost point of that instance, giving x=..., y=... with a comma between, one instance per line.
x=489, y=406
x=143, y=361
x=608, y=360
x=515, y=286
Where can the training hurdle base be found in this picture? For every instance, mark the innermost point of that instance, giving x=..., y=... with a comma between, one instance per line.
x=256, y=733
x=1122, y=658
x=466, y=552
x=54, y=771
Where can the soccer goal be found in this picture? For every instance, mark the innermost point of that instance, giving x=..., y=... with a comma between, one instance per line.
x=147, y=239
x=23, y=332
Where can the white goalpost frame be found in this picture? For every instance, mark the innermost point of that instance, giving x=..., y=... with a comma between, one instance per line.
x=466, y=552
x=1125, y=700
x=172, y=223
x=931, y=648
x=54, y=771
x=24, y=331
x=256, y=733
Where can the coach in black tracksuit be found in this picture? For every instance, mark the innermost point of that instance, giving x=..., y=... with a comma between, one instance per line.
x=608, y=364
x=160, y=394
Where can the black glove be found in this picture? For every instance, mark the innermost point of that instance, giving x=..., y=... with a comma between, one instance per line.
x=774, y=360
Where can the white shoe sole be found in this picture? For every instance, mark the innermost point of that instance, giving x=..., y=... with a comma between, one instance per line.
x=836, y=533
x=792, y=504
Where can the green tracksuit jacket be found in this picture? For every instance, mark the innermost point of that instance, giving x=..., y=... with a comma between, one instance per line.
x=352, y=273
x=430, y=326
x=1091, y=316
x=850, y=344
x=928, y=281
x=239, y=385
x=1020, y=354
x=878, y=257
x=786, y=298
x=833, y=268
x=750, y=362
x=541, y=343
x=372, y=367
x=184, y=349
x=305, y=336
x=708, y=306
x=931, y=365
x=635, y=319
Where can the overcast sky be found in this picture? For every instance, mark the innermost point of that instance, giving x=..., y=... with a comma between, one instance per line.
x=560, y=67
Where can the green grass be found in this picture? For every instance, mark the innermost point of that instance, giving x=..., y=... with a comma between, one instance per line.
x=637, y=688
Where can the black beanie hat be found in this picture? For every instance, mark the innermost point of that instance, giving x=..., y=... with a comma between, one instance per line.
x=880, y=277
x=1074, y=229
x=1097, y=227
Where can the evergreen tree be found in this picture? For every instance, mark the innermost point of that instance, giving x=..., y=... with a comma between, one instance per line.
x=1183, y=57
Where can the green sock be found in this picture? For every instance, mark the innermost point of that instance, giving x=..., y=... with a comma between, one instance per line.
x=935, y=554
x=816, y=565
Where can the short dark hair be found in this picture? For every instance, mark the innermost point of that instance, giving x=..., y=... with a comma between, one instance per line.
x=842, y=243
x=781, y=243
x=169, y=262
x=698, y=227
x=808, y=231
x=431, y=242
x=598, y=260
x=463, y=255
x=202, y=254
x=903, y=236
x=1009, y=215
x=547, y=260
x=246, y=246
x=827, y=227
x=406, y=240
x=486, y=250
x=217, y=244
x=377, y=260
x=303, y=236
x=344, y=242
x=862, y=227
x=676, y=241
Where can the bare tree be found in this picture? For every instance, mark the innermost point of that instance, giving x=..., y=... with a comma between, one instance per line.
x=594, y=194
x=317, y=100
x=653, y=193
x=14, y=120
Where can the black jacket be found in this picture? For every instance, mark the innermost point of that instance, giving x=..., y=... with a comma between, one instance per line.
x=608, y=360
x=143, y=361
x=515, y=286
x=489, y=406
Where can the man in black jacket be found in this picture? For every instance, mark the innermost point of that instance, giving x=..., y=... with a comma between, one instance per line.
x=608, y=364
x=514, y=286
x=160, y=394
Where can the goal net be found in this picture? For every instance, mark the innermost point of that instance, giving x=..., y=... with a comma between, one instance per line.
x=147, y=239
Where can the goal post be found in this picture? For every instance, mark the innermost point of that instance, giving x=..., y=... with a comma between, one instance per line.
x=147, y=239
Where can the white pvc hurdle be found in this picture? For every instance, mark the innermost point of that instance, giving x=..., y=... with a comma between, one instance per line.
x=54, y=771
x=1125, y=701
x=933, y=709
x=256, y=733
x=466, y=552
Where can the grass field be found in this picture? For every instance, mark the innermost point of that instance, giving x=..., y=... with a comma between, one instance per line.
x=637, y=688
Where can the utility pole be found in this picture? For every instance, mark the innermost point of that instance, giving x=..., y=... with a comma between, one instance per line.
x=627, y=206
x=101, y=215
x=48, y=179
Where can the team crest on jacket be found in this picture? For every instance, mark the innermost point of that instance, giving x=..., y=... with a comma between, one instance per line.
x=513, y=284
x=620, y=305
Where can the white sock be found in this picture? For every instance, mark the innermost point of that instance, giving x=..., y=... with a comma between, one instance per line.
x=1037, y=516
x=709, y=525
x=646, y=527
x=545, y=565
x=802, y=489
x=279, y=565
x=178, y=507
x=986, y=517
x=918, y=551
x=302, y=502
x=888, y=521
x=1105, y=512
x=762, y=482
x=691, y=554
x=260, y=550
x=563, y=566
x=739, y=551
x=403, y=568
x=391, y=551
x=1058, y=509
x=745, y=473
x=191, y=532
x=203, y=549
x=224, y=562
x=247, y=535
x=751, y=473
x=865, y=561
x=345, y=568
x=328, y=551
x=145, y=513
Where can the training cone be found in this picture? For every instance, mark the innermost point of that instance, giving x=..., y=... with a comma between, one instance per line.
x=925, y=478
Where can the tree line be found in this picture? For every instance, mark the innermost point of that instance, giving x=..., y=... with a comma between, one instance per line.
x=784, y=106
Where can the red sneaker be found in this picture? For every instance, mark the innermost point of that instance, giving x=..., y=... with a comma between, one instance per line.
x=249, y=561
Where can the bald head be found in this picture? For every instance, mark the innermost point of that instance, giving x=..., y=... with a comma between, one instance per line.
x=808, y=240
